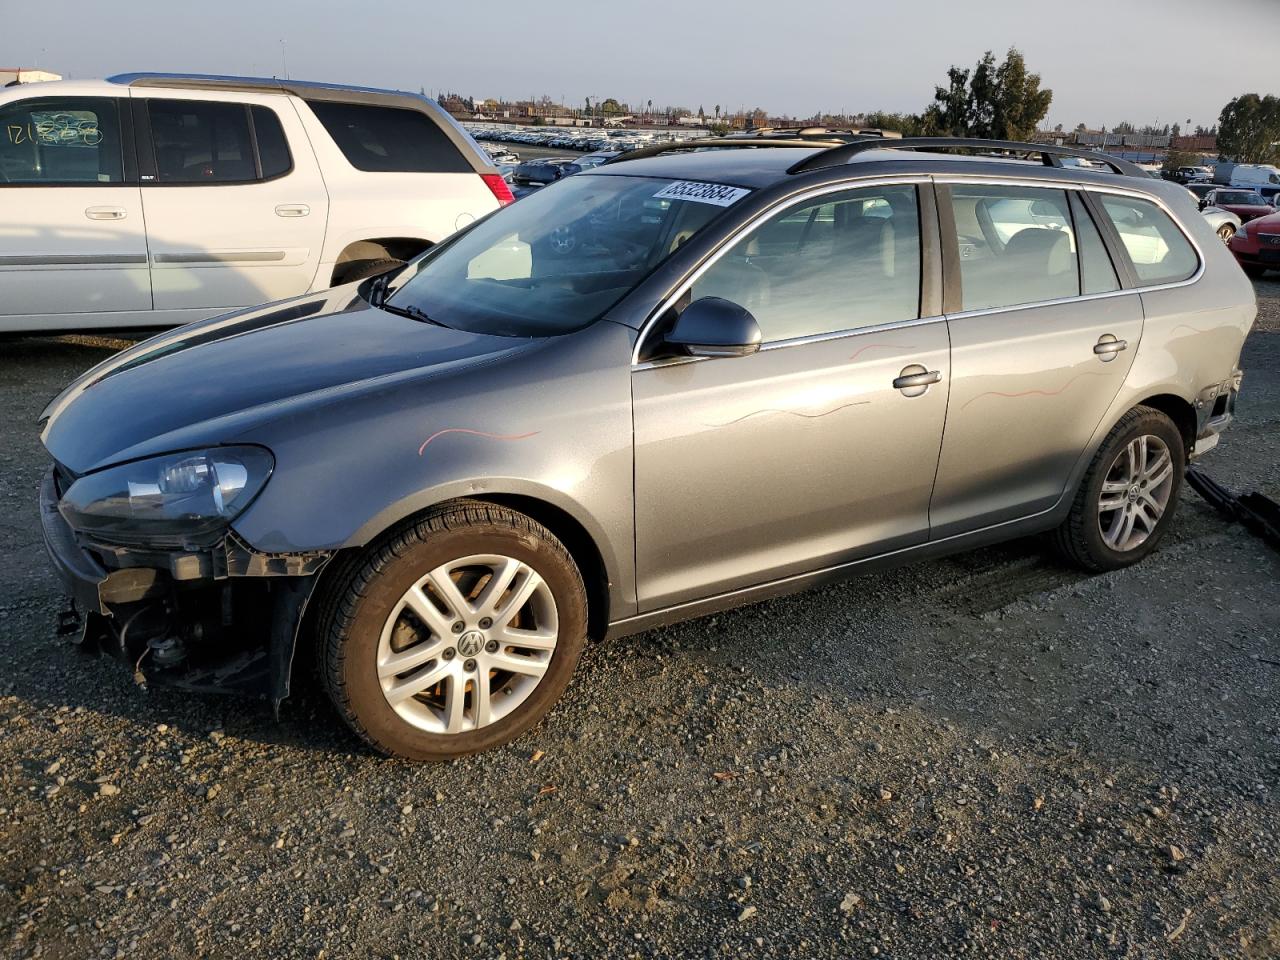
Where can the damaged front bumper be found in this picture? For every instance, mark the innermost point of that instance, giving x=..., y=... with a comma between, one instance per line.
x=224, y=618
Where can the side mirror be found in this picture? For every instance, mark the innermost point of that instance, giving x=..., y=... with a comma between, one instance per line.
x=714, y=327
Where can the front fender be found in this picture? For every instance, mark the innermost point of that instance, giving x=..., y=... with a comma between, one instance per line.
x=552, y=423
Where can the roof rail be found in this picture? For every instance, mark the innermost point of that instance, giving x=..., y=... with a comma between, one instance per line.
x=1049, y=154
x=738, y=142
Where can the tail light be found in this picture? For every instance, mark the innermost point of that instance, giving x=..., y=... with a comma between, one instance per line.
x=498, y=187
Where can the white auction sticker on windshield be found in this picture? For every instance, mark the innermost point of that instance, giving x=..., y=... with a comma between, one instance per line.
x=717, y=193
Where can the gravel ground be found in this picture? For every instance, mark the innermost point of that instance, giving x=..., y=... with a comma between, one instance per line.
x=989, y=755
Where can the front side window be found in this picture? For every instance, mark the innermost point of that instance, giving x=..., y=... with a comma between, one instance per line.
x=848, y=260
x=561, y=257
x=1016, y=245
x=389, y=139
x=1160, y=252
x=201, y=142
x=62, y=140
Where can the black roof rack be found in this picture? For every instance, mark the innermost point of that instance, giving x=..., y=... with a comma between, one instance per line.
x=1050, y=154
x=738, y=142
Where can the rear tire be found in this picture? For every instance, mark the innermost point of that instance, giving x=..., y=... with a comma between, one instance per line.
x=1128, y=496
x=1226, y=232
x=403, y=647
x=364, y=269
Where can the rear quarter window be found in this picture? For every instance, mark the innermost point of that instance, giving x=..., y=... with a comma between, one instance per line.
x=389, y=139
x=1158, y=249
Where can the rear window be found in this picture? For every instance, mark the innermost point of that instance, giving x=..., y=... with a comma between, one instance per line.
x=1159, y=250
x=389, y=139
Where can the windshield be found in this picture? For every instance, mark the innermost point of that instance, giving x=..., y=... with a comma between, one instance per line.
x=558, y=259
x=1240, y=197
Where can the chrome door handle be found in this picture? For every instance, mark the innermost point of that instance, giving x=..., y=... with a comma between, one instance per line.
x=105, y=213
x=909, y=381
x=292, y=210
x=1108, y=346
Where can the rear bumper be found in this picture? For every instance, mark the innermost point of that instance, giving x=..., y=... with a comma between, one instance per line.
x=1215, y=409
x=80, y=574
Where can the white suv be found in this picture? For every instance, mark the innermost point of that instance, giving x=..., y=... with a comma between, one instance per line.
x=150, y=200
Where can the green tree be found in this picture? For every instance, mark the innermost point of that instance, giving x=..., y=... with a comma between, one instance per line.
x=1249, y=129
x=1001, y=102
x=611, y=106
x=951, y=111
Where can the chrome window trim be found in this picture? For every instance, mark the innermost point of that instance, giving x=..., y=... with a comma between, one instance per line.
x=1116, y=189
x=800, y=341
x=987, y=311
x=732, y=240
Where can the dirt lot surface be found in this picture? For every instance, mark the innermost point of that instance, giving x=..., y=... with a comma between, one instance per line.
x=990, y=755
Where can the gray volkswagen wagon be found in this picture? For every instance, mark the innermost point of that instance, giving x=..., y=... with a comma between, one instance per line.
x=682, y=381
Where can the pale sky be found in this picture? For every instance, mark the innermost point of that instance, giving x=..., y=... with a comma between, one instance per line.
x=1106, y=60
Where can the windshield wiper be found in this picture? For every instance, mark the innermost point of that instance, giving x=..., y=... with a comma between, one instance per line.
x=412, y=312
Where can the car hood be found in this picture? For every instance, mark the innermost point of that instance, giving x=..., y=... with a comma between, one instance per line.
x=1268, y=224
x=1248, y=211
x=209, y=382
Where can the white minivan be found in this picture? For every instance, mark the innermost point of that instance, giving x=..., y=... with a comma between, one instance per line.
x=151, y=200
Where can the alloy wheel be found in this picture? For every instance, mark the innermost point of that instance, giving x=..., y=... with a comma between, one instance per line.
x=1226, y=232
x=1135, y=493
x=467, y=644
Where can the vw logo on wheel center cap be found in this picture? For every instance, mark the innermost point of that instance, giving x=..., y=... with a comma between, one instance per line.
x=471, y=643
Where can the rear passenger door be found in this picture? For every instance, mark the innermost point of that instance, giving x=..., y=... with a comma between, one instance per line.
x=1042, y=338
x=234, y=202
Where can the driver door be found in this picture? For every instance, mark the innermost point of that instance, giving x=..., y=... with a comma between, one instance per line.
x=804, y=455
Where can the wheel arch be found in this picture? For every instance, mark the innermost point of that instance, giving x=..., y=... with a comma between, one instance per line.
x=581, y=535
x=1180, y=411
x=378, y=248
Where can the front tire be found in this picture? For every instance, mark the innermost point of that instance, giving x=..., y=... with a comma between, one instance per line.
x=1226, y=232
x=455, y=634
x=1129, y=494
x=1252, y=272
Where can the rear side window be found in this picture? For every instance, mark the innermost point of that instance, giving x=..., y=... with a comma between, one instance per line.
x=1159, y=250
x=273, y=147
x=389, y=139
x=1016, y=246
x=63, y=140
x=201, y=142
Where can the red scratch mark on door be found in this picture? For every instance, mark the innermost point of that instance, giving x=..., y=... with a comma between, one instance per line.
x=476, y=433
x=1034, y=393
x=880, y=346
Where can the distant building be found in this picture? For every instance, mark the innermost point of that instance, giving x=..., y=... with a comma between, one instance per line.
x=9, y=76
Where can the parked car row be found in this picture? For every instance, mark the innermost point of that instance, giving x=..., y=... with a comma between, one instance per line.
x=568, y=138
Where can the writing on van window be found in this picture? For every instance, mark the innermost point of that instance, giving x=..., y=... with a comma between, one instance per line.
x=56, y=129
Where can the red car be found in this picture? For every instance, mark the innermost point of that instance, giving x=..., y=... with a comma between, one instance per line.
x=1245, y=204
x=1257, y=245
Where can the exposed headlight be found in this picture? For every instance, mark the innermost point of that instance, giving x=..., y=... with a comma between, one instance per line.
x=180, y=498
